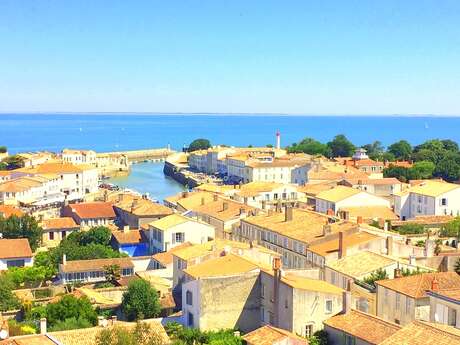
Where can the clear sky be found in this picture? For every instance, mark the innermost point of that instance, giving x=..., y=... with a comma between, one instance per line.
x=307, y=57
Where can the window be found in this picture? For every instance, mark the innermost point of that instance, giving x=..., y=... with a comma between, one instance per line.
x=270, y=318
x=262, y=291
x=398, y=301
x=189, y=298
x=333, y=278
x=51, y=235
x=386, y=296
x=190, y=319
x=178, y=237
x=407, y=305
x=308, y=331
x=328, y=307
x=349, y=340
x=63, y=234
x=286, y=303
x=262, y=314
x=15, y=263
x=444, y=202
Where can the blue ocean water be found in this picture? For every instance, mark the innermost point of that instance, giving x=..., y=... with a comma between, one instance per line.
x=109, y=132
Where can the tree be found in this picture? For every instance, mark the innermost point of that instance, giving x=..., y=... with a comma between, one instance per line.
x=22, y=227
x=112, y=273
x=451, y=229
x=70, y=307
x=402, y=150
x=374, y=150
x=142, y=334
x=3, y=149
x=448, y=167
x=140, y=301
x=411, y=229
x=421, y=170
x=457, y=266
x=401, y=173
x=199, y=144
x=340, y=146
x=319, y=338
x=190, y=336
x=309, y=146
x=45, y=261
x=450, y=145
x=12, y=162
x=8, y=300
x=379, y=274
x=27, y=276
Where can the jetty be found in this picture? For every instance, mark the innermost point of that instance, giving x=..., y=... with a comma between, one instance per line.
x=146, y=155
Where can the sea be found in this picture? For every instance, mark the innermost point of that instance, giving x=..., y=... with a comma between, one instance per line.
x=120, y=132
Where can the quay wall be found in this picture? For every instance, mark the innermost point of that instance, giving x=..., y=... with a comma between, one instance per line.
x=175, y=172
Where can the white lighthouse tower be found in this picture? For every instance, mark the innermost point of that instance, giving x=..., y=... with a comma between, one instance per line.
x=278, y=140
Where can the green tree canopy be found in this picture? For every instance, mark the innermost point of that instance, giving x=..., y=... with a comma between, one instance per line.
x=374, y=150
x=309, y=146
x=448, y=167
x=140, y=301
x=22, y=227
x=8, y=300
x=70, y=307
x=402, y=150
x=451, y=229
x=3, y=149
x=379, y=274
x=199, y=144
x=12, y=162
x=340, y=146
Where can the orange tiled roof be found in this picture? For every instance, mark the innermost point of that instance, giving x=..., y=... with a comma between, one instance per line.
x=130, y=236
x=95, y=264
x=8, y=211
x=216, y=209
x=166, y=258
x=416, y=286
x=91, y=210
x=453, y=294
x=141, y=207
x=424, y=333
x=269, y=335
x=59, y=223
x=370, y=328
x=15, y=248
x=351, y=240
x=36, y=339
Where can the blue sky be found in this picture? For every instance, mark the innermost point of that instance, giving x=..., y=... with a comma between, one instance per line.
x=306, y=57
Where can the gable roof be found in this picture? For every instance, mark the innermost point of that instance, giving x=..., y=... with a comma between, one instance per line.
x=227, y=265
x=269, y=335
x=14, y=248
x=416, y=286
x=91, y=210
x=369, y=328
x=360, y=264
x=371, y=212
x=59, y=223
x=338, y=193
x=129, y=236
x=424, y=333
x=8, y=211
x=332, y=245
x=433, y=188
x=141, y=207
x=170, y=221
x=166, y=258
x=215, y=209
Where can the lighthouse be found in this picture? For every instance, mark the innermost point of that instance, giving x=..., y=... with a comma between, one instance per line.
x=278, y=140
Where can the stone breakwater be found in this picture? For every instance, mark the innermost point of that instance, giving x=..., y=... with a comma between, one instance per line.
x=135, y=156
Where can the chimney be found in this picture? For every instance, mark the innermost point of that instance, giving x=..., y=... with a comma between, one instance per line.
x=64, y=259
x=397, y=273
x=278, y=207
x=242, y=211
x=264, y=204
x=214, y=197
x=330, y=212
x=389, y=245
x=327, y=229
x=125, y=228
x=202, y=201
x=342, y=246
x=43, y=325
x=346, y=302
x=114, y=319
x=276, y=288
x=184, y=194
x=225, y=206
x=359, y=220
x=288, y=214
x=245, y=200
x=434, y=284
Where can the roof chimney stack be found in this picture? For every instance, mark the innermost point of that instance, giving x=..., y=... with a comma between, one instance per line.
x=359, y=219
x=202, y=201
x=434, y=284
x=214, y=197
x=224, y=206
x=288, y=214
x=342, y=246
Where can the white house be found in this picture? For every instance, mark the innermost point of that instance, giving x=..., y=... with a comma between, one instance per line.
x=429, y=198
x=79, y=156
x=29, y=190
x=171, y=231
x=15, y=253
x=266, y=194
x=341, y=197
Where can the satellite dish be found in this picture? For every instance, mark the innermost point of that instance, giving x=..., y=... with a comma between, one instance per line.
x=3, y=334
x=104, y=323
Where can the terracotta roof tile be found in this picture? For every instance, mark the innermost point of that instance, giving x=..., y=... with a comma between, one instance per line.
x=216, y=209
x=370, y=212
x=95, y=264
x=142, y=207
x=91, y=210
x=166, y=258
x=15, y=248
x=370, y=328
x=59, y=223
x=351, y=240
x=269, y=335
x=423, y=333
x=361, y=263
x=129, y=236
x=8, y=210
x=416, y=286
